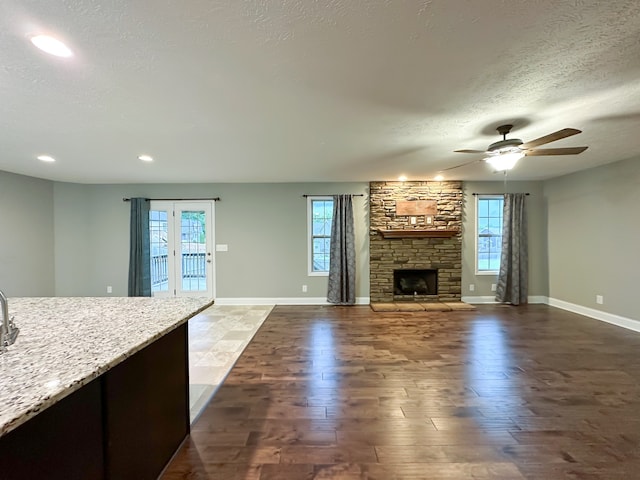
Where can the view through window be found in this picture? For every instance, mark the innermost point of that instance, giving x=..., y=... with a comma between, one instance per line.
x=489, y=232
x=320, y=214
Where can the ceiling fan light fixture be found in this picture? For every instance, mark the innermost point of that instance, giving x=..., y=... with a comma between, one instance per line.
x=504, y=154
x=505, y=161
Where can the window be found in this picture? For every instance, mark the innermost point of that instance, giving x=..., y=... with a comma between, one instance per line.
x=320, y=216
x=488, y=233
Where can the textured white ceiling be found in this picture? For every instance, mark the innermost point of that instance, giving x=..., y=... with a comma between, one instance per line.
x=313, y=90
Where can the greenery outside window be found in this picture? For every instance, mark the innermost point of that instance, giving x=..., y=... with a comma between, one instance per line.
x=320, y=217
x=488, y=233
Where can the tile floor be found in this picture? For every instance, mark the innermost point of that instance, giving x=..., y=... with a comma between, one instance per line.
x=217, y=338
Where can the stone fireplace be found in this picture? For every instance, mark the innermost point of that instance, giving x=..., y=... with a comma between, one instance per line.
x=405, y=242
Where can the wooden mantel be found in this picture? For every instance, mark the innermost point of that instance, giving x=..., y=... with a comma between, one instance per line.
x=418, y=233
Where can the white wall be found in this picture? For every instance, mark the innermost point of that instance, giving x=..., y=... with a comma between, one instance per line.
x=264, y=226
x=26, y=236
x=594, y=238
x=537, y=236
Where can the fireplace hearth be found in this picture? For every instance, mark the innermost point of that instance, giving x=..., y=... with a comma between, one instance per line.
x=415, y=282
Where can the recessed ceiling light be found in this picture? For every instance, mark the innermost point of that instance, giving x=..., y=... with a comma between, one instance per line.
x=45, y=158
x=51, y=45
x=438, y=178
x=402, y=178
x=145, y=158
x=52, y=383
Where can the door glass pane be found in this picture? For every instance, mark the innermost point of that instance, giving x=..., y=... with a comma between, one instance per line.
x=193, y=250
x=158, y=243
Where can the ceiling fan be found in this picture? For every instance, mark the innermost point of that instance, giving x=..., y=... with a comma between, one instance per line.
x=504, y=154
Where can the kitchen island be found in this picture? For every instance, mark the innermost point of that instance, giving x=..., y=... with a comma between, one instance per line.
x=95, y=387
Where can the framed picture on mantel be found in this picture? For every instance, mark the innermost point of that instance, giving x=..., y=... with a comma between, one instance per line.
x=416, y=207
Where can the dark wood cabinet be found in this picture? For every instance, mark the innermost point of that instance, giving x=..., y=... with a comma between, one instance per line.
x=126, y=424
x=64, y=442
x=147, y=409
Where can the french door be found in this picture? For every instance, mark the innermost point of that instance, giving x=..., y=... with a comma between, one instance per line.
x=181, y=241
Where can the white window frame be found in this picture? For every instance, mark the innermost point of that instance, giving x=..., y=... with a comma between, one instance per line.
x=175, y=285
x=476, y=232
x=310, y=200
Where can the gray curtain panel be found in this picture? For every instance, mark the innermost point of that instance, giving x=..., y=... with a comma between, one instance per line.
x=139, y=249
x=513, y=284
x=342, y=267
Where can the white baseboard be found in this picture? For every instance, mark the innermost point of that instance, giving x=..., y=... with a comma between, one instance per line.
x=283, y=301
x=492, y=299
x=479, y=299
x=624, y=322
x=539, y=299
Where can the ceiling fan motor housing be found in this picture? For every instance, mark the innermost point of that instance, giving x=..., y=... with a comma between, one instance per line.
x=505, y=146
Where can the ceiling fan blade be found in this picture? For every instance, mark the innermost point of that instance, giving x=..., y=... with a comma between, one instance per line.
x=552, y=137
x=555, y=151
x=461, y=165
x=469, y=151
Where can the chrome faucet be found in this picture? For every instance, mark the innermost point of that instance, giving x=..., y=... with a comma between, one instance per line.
x=8, y=329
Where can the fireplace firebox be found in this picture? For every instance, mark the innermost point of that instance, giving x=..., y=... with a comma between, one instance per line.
x=415, y=282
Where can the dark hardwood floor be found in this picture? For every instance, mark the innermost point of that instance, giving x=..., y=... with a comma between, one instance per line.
x=528, y=392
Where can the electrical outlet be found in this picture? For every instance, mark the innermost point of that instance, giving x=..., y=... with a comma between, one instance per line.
x=472, y=287
x=599, y=299
x=493, y=287
x=413, y=220
x=429, y=219
x=304, y=289
x=109, y=289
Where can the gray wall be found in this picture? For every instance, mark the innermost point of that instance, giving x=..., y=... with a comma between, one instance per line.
x=26, y=236
x=594, y=237
x=264, y=226
x=70, y=239
x=92, y=240
x=537, y=228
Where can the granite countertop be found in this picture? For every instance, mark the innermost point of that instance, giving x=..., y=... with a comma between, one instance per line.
x=65, y=342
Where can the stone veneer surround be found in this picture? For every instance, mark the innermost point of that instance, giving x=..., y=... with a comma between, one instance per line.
x=389, y=254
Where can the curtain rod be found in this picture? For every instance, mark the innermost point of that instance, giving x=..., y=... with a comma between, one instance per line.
x=318, y=195
x=215, y=199
x=496, y=193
